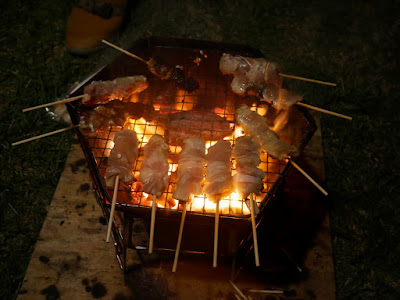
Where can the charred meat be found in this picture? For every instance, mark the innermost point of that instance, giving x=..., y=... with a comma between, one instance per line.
x=197, y=123
x=167, y=72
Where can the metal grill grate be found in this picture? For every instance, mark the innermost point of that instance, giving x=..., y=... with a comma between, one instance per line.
x=214, y=95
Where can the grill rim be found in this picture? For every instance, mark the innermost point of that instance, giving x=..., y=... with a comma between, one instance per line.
x=189, y=44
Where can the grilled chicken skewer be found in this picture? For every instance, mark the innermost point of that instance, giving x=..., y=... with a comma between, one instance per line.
x=248, y=179
x=163, y=70
x=218, y=181
x=264, y=79
x=256, y=126
x=154, y=175
x=259, y=70
x=102, y=92
x=120, y=164
x=190, y=174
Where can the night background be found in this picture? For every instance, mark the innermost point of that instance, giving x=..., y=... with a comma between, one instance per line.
x=352, y=43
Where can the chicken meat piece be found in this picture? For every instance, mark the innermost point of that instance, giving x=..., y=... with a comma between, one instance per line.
x=197, y=123
x=190, y=169
x=255, y=125
x=241, y=84
x=246, y=185
x=115, y=113
x=256, y=70
x=280, y=98
x=249, y=178
x=247, y=151
x=218, y=172
x=271, y=74
x=122, y=157
x=101, y=92
x=231, y=64
x=154, y=169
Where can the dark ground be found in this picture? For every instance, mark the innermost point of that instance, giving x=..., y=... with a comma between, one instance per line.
x=353, y=43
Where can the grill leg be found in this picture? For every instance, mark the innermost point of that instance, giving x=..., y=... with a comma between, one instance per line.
x=127, y=237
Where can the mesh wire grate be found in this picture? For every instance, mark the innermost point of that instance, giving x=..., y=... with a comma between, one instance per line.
x=215, y=96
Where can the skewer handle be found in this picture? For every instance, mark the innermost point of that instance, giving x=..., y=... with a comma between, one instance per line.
x=178, y=244
x=253, y=225
x=216, y=228
x=324, y=111
x=44, y=135
x=55, y=102
x=238, y=290
x=309, y=177
x=152, y=222
x=114, y=200
x=124, y=51
x=307, y=79
x=267, y=291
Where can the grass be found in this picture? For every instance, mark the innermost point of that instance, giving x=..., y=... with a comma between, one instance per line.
x=353, y=43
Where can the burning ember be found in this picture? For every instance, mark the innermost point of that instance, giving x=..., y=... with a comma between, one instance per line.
x=231, y=205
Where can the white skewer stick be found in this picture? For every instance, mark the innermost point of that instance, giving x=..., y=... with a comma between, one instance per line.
x=253, y=225
x=237, y=290
x=266, y=291
x=178, y=244
x=216, y=228
x=325, y=111
x=308, y=177
x=307, y=79
x=322, y=110
x=55, y=102
x=124, y=51
x=152, y=222
x=114, y=200
x=237, y=297
x=44, y=135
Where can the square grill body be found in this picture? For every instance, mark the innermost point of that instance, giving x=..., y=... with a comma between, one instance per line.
x=201, y=60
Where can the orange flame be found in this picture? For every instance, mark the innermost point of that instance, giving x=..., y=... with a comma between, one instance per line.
x=280, y=120
x=143, y=129
x=184, y=102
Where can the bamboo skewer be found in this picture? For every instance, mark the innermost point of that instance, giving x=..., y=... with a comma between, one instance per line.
x=216, y=229
x=152, y=222
x=44, y=135
x=281, y=74
x=266, y=291
x=307, y=79
x=55, y=103
x=254, y=227
x=308, y=177
x=178, y=244
x=124, y=51
x=324, y=111
x=114, y=200
x=238, y=290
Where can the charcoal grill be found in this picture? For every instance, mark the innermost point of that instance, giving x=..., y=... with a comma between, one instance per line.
x=201, y=60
